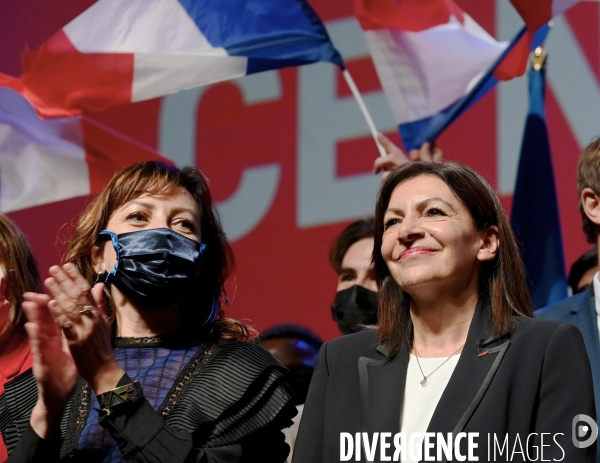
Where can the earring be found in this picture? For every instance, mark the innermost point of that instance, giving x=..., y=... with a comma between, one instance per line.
x=100, y=278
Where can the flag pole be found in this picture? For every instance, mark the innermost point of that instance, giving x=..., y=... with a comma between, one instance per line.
x=364, y=110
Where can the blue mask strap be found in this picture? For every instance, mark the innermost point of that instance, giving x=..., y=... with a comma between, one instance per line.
x=213, y=314
x=201, y=252
x=215, y=305
x=115, y=242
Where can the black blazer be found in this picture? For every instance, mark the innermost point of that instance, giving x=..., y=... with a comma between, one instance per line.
x=580, y=310
x=536, y=379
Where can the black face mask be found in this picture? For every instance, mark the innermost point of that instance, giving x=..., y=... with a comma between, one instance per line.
x=354, y=306
x=155, y=268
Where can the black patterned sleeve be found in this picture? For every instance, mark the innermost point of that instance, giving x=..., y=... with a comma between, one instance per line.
x=143, y=437
x=22, y=442
x=33, y=449
x=234, y=412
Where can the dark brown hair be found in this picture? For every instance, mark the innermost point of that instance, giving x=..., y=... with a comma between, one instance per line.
x=21, y=271
x=588, y=176
x=356, y=231
x=155, y=177
x=587, y=261
x=501, y=281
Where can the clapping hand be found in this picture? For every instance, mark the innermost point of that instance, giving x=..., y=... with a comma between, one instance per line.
x=69, y=335
x=53, y=367
x=80, y=312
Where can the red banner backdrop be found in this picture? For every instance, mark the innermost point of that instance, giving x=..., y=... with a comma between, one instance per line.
x=289, y=156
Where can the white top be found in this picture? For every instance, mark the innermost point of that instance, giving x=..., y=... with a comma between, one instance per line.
x=596, y=283
x=420, y=401
x=291, y=432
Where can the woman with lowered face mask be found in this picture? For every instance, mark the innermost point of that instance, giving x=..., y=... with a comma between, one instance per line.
x=133, y=357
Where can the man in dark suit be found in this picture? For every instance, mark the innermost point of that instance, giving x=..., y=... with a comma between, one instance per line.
x=583, y=309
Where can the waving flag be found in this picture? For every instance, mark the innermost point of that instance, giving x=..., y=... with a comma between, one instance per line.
x=44, y=161
x=427, y=55
x=433, y=60
x=122, y=51
x=535, y=217
x=535, y=14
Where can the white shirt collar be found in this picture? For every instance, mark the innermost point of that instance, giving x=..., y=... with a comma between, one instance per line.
x=596, y=283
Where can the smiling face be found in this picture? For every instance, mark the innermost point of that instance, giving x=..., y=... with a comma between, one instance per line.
x=429, y=239
x=175, y=209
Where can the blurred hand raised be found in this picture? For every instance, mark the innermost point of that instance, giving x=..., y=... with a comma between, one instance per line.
x=427, y=153
x=395, y=156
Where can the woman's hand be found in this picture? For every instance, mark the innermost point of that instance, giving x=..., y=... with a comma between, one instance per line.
x=427, y=152
x=53, y=367
x=395, y=156
x=80, y=312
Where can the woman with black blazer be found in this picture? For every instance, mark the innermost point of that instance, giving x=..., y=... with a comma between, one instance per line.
x=456, y=369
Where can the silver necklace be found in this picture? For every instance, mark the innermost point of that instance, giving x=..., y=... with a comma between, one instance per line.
x=423, y=382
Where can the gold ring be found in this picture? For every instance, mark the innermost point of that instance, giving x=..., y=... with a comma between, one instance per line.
x=86, y=309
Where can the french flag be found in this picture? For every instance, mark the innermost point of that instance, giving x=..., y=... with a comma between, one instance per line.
x=123, y=51
x=428, y=55
x=45, y=161
x=535, y=14
x=434, y=61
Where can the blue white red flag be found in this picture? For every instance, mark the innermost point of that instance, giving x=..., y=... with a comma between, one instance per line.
x=122, y=51
x=433, y=60
x=535, y=216
x=45, y=161
x=535, y=14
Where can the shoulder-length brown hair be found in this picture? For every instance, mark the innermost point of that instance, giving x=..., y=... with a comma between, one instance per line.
x=155, y=177
x=21, y=271
x=502, y=282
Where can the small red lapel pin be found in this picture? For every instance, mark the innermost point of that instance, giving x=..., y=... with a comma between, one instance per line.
x=483, y=354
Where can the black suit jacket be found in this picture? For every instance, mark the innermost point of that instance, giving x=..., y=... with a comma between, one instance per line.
x=536, y=379
x=580, y=310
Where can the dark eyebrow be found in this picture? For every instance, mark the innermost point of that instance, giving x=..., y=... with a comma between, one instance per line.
x=428, y=200
x=395, y=210
x=420, y=204
x=346, y=270
x=139, y=203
